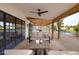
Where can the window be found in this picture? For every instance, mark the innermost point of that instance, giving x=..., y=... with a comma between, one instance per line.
x=10, y=31
x=18, y=29
x=12, y=28
x=1, y=30
x=23, y=30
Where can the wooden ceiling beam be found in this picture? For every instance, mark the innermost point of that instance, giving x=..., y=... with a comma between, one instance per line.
x=39, y=22
x=71, y=11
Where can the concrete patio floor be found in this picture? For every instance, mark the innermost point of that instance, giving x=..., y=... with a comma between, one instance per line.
x=67, y=42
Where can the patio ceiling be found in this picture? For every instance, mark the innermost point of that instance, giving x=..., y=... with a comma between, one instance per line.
x=44, y=22
x=55, y=12
x=54, y=9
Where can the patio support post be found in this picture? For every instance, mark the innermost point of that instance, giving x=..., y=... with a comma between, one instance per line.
x=29, y=31
x=52, y=30
x=58, y=29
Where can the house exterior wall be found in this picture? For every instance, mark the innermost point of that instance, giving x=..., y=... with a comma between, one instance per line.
x=13, y=10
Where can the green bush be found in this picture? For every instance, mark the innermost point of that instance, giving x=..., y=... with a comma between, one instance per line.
x=76, y=28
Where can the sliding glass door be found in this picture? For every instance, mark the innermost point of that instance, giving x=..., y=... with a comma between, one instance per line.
x=1, y=32
x=12, y=31
x=18, y=30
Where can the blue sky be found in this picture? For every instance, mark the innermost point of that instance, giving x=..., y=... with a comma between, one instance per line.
x=71, y=20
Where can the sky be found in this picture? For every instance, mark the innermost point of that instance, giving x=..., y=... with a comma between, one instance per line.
x=71, y=20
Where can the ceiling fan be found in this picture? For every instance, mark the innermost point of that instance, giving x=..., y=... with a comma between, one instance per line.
x=39, y=12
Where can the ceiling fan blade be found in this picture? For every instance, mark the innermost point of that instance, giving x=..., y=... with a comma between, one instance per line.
x=43, y=12
x=33, y=12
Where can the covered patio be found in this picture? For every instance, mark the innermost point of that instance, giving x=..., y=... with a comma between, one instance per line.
x=59, y=41
x=24, y=31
